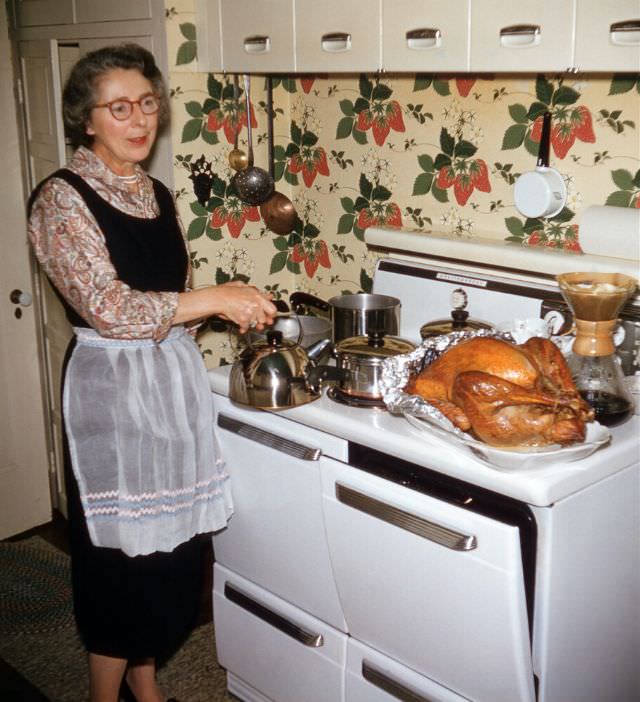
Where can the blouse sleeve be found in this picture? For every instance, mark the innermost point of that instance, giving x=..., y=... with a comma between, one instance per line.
x=70, y=247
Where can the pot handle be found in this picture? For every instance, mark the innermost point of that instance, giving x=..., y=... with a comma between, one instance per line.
x=297, y=299
x=319, y=374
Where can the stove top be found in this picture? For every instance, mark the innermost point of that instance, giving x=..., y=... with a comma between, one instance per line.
x=426, y=292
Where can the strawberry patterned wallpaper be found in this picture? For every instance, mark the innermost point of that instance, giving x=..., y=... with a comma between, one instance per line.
x=425, y=152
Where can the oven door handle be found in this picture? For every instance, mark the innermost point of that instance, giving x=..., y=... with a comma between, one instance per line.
x=286, y=626
x=420, y=526
x=266, y=438
x=388, y=684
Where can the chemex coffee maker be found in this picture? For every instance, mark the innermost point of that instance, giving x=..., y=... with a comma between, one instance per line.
x=596, y=300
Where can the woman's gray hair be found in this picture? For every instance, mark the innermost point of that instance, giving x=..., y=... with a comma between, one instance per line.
x=79, y=94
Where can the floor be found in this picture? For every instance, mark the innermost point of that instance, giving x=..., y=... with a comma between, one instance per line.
x=15, y=688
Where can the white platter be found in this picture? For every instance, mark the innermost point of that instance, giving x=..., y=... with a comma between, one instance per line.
x=524, y=458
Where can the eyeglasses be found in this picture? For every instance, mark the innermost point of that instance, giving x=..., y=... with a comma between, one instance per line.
x=122, y=108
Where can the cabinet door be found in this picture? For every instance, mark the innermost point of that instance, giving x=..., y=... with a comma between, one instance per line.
x=209, y=35
x=433, y=586
x=257, y=37
x=38, y=13
x=425, y=36
x=608, y=36
x=514, y=36
x=371, y=676
x=338, y=36
x=100, y=11
x=276, y=537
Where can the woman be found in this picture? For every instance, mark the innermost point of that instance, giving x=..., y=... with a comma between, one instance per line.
x=142, y=470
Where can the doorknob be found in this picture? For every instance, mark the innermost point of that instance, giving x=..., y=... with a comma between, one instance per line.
x=18, y=297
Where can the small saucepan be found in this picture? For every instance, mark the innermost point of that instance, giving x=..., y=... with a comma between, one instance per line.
x=360, y=358
x=354, y=315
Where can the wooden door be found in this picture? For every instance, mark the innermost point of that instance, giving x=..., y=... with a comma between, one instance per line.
x=25, y=498
x=40, y=64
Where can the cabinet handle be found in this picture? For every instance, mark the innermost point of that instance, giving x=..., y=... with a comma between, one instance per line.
x=421, y=39
x=286, y=626
x=257, y=45
x=626, y=33
x=393, y=687
x=336, y=42
x=520, y=35
x=405, y=520
x=266, y=438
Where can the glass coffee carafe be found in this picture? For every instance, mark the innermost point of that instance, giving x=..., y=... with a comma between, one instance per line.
x=595, y=300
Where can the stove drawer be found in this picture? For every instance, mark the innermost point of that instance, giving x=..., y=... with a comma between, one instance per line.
x=372, y=677
x=273, y=647
x=275, y=537
x=432, y=585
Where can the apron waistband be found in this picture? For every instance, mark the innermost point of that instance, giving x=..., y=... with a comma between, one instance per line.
x=90, y=337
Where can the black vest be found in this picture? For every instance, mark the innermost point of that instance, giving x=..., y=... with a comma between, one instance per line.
x=148, y=254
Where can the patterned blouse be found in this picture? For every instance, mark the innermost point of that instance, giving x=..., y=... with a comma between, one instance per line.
x=71, y=249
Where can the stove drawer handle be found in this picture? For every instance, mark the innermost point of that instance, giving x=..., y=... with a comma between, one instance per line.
x=266, y=438
x=286, y=626
x=405, y=520
x=393, y=687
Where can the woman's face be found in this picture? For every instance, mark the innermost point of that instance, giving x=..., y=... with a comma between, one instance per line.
x=122, y=143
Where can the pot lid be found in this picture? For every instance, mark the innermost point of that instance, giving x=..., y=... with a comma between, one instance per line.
x=375, y=345
x=459, y=320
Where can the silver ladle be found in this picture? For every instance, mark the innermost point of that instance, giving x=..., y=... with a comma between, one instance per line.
x=253, y=185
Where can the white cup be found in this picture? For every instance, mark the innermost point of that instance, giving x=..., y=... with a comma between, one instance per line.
x=540, y=193
x=523, y=329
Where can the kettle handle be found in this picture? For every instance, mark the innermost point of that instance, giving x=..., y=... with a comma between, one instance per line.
x=297, y=299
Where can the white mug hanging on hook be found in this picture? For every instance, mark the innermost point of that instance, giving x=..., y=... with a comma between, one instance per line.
x=541, y=193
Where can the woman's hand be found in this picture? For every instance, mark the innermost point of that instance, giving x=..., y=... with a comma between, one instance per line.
x=235, y=301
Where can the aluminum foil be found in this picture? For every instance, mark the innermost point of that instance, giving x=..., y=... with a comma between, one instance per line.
x=397, y=370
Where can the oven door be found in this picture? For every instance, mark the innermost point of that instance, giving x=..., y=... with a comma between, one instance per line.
x=275, y=537
x=430, y=584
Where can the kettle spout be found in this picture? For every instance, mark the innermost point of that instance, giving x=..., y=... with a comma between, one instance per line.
x=319, y=349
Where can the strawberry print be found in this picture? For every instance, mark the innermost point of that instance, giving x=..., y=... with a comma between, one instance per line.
x=381, y=118
x=373, y=110
x=312, y=253
x=464, y=85
x=310, y=162
x=230, y=121
x=387, y=214
x=571, y=125
x=305, y=157
x=235, y=216
x=306, y=83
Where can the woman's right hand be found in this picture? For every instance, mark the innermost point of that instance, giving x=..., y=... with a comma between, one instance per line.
x=246, y=305
x=235, y=301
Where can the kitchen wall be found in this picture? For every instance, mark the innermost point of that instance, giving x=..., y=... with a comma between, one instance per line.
x=426, y=152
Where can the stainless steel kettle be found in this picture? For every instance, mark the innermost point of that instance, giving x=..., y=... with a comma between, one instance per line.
x=278, y=373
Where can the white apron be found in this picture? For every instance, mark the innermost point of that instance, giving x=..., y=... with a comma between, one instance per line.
x=139, y=421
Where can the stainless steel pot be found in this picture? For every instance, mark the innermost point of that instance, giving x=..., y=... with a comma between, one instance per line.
x=278, y=373
x=361, y=358
x=355, y=315
x=303, y=329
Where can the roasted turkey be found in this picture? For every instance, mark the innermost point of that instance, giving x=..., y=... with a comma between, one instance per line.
x=506, y=394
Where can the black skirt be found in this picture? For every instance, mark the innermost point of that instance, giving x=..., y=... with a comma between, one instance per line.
x=131, y=607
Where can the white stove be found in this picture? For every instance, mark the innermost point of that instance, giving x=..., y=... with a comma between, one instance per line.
x=369, y=562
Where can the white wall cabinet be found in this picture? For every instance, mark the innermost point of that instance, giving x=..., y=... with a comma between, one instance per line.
x=425, y=36
x=349, y=36
x=337, y=36
x=257, y=37
x=608, y=36
x=513, y=36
